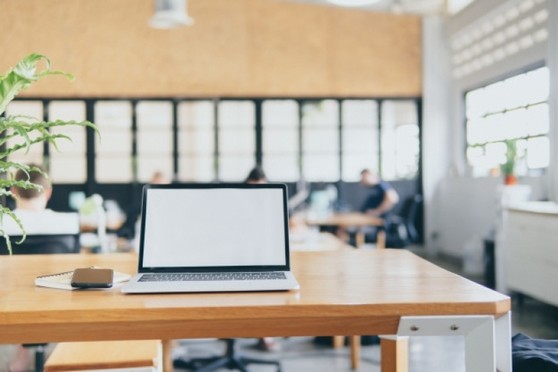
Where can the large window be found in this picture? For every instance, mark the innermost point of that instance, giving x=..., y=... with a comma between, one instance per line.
x=514, y=109
x=202, y=140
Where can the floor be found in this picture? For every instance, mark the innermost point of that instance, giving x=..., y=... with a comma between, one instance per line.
x=430, y=354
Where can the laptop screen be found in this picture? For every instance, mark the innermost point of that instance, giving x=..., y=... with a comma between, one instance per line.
x=214, y=226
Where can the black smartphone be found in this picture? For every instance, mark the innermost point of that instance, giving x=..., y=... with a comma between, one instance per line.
x=92, y=278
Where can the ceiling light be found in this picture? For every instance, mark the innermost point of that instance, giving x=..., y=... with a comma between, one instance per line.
x=170, y=14
x=353, y=2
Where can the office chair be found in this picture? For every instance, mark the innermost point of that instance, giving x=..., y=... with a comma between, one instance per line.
x=400, y=229
x=231, y=360
x=41, y=244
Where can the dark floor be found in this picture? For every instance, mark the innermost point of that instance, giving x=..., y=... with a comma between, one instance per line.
x=431, y=354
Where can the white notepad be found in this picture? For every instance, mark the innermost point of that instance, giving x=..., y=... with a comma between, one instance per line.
x=64, y=280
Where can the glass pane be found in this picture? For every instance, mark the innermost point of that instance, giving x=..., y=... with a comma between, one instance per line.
x=320, y=126
x=360, y=137
x=68, y=170
x=237, y=139
x=321, y=168
x=280, y=113
x=33, y=109
x=114, y=145
x=154, y=114
x=196, y=169
x=154, y=139
x=116, y=168
x=235, y=168
x=280, y=140
x=68, y=164
x=150, y=164
x=538, y=152
x=537, y=119
x=400, y=140
x=196, y=141
x=281, y=168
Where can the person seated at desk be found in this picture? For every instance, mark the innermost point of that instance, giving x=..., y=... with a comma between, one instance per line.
x=31, y=209
x=382, y=197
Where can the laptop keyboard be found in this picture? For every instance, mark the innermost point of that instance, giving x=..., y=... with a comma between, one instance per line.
x=188, y=277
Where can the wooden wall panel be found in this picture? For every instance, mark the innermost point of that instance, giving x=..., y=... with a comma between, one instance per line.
x=234, y=48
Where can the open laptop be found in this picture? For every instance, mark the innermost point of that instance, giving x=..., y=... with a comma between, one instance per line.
x=213, y=238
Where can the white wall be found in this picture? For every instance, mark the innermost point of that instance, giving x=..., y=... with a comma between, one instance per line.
x=459, y=208
x=436, y=121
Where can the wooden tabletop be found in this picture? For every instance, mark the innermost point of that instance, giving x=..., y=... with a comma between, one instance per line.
x=346, y=219
x=342, y=292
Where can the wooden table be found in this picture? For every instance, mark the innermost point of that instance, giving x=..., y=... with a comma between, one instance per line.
x=357, y=220
x=355, y=292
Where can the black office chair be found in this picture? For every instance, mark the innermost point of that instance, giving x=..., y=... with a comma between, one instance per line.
x=231, y=360
x=401, y=229
x=41, y=244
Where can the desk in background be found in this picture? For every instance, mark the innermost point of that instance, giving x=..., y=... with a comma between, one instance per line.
x=386, y=292
x=357, y=220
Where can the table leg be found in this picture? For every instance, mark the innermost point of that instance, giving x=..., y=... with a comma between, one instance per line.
x=354, y=342
x=359, y=238
x=395, y=353
x=381, y=239
x=168, y=345
x=338, y=342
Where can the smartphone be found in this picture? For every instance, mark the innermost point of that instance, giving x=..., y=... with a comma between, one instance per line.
x=92, y=278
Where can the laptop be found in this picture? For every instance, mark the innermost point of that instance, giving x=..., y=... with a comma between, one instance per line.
x=213, y=238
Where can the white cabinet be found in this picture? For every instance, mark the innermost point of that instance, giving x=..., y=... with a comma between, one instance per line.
x=530, y=250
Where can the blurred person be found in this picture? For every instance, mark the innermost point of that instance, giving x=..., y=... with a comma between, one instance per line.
x=256, y=175
x=31, y=209
x=381, y=198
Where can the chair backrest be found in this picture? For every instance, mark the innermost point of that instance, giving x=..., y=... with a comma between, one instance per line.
x=42, y=244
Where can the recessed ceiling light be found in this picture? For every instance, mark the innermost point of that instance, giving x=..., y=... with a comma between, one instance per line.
x=353, y=2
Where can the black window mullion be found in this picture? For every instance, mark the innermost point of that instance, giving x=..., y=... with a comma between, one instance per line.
x=258, y=131
x=175, y=140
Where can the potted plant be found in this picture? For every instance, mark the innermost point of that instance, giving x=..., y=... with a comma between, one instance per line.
x=19, y=133
x=508, y=167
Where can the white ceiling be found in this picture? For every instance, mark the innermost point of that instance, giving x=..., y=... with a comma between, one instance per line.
x=421, y=7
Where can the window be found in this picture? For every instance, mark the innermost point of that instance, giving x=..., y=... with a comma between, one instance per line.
x=154, y=139
x=280, y=140
x=67, y=163
x=196, y=141
x=113, y=147
x=400, y=139
x=512, y=109
x=237, y=140
x=360, y=137
x=320, y=141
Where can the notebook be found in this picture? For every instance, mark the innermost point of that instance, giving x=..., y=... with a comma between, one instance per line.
x=64, y=280
x=213, y=238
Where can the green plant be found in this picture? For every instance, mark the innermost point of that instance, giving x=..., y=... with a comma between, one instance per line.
x=19, y=132
x=508, y=167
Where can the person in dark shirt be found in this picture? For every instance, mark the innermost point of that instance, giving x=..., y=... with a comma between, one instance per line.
x=382, y=197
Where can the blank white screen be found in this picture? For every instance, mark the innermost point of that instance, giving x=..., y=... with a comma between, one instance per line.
x=214, y=227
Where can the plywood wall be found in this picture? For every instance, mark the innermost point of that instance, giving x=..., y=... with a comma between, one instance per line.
x=234, y=48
